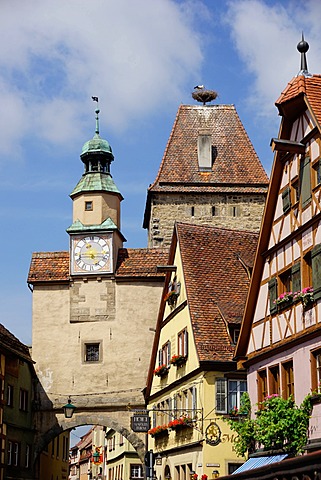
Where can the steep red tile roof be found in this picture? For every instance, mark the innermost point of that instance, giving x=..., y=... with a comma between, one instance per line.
x=235, y=162
x=141, y=262
x=11, y=343
x=300, y=86
x=216, y=283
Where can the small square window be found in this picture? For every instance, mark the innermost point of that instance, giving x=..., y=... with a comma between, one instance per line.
x=92, y=352
x=88, y=206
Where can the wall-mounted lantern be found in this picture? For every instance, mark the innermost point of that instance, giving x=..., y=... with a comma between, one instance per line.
x=215, y=474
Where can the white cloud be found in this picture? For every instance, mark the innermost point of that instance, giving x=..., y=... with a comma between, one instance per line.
x=134, y=55
x=266, y=35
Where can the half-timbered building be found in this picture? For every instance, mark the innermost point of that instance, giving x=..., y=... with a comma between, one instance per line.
x=280, y=341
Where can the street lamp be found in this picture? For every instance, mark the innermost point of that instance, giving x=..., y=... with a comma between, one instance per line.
x=96, y=456
x=69, y=409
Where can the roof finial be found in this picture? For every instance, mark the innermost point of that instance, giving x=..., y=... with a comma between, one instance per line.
x=303, y=47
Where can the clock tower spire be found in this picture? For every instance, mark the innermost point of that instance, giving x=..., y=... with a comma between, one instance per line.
x=96, y=211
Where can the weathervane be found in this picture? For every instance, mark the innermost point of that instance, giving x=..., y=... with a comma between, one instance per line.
x=95, y=99
x=203, y=95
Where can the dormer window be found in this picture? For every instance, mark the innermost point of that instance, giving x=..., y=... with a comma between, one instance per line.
x=204, y=151
x=88, y=206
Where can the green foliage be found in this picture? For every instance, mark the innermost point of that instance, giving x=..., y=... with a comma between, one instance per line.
x=279, y=424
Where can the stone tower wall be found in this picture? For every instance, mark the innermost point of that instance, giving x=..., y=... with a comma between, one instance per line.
x=241, y=212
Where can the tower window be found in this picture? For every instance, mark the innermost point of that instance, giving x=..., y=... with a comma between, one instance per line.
x=214, y=211
x=92, y=352
x=192, y=211
x=235, y=211
x=88, y=206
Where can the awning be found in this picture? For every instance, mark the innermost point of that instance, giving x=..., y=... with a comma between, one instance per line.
x=257, y=462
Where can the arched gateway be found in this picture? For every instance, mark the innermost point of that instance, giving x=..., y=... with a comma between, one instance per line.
x=94, y=312
x=55, y=424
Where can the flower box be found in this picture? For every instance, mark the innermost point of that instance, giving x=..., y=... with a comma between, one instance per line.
x=178, y=360
x=180, y=422
x=161, y=371
x=158, y=431
x=171, y=298
x=305, y=296
x=284, y=300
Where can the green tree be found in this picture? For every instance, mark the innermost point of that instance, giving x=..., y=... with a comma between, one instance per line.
x=279, y=424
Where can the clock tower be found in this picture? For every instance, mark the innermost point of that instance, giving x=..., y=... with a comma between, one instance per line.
x=95, y=236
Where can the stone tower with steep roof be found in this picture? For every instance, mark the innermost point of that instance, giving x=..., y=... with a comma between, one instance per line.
x=210, y=174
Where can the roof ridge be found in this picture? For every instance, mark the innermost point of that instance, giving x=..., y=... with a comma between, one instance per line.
x=215, y=227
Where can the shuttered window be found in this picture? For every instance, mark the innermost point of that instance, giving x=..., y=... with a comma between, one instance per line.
x=273, y=293
x=316, y=271
x=221, y=395
x=286, y=199
x=296, y=277
x=305, y=176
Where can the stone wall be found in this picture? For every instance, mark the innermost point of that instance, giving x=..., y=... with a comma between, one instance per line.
x=241, y=212
x=120, y=317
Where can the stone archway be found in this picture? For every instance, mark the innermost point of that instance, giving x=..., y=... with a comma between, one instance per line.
x=50, y=425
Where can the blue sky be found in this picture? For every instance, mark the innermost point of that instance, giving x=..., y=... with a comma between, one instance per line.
x=142, y=59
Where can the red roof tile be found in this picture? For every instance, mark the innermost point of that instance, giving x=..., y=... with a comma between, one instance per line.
x=49, y=266
x=301, y=85
x=235, y=163
x=141, y=262
x=216, y=283
x=54, y=266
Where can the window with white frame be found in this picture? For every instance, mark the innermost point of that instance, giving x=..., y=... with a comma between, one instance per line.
x=183, y=343
x=316, y=370
x=23, y=400
x=10, y=395
x=164, y=355
x=9, y=453
x=228, y=394
x=16, y=450
x=27, y=457
x=136, y=471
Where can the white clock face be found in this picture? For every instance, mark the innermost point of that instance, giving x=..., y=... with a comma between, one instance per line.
x=91, y=254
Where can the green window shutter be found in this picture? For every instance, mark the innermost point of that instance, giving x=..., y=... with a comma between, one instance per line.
x=273, y=293
x=296, y=277
x=286, y=199
x=316, y=271
x=305, y=176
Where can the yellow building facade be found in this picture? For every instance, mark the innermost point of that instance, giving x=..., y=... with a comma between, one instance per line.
x=193, y=384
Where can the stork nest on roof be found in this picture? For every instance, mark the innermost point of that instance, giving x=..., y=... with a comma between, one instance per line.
x=204, y=96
